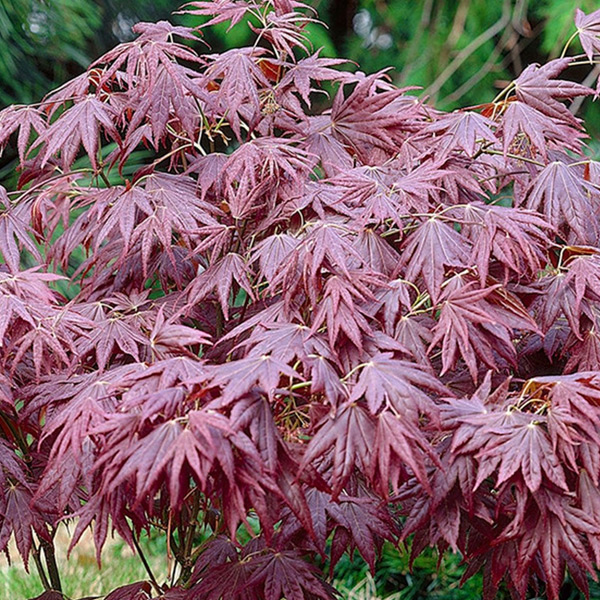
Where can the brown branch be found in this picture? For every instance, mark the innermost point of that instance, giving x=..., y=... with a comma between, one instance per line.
x=145, y=563
x=486, y=68
x=51, y=565
x=35, y=551
x=468, y=50
x=413, y=49
x=458, y=25
x=593, y=74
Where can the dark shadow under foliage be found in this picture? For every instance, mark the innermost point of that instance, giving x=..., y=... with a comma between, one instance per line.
x=297, y=333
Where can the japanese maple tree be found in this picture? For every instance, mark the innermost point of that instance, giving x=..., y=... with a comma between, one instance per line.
x=279, y=328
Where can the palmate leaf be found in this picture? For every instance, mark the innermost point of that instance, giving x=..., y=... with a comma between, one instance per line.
x=399, y=442
x=515, y=237
x=334, y=156
x=463, y=130
x=226, y=582
x=220, y=10
x=238, y=377
x=25, y=119
x=112, y=335
x=397, y=297
x=78, y=125
x=238, y=78
x=273, y=252
x=478, y=324
x=221, y=276
x=584, y=350
x=217, y=551
x=48, y=339
x=344, y=441
x=11, y=308
x=170, y=338
x=141, y=58
x=366, y=120
x=174, y=207
x=326, y=248
x=73, y=407
x=330, y=245
x=566, y=198
x=434, y=246
x=457, y=330
x=298, y=76
x=438, y=515
x=285, y=574
x=415, y=334
x=14, y=232
x=140, y=590
x=538, y=87
x=507, y=441
x=583, y=275
x=286, y=31
x=521, y=446
x=390, y=383
x=555, y=300
x=163, y=453
x=377, y=254
x=555, y=532
x=362, y=523
x=289, y=340
x=137, y=219
x=588, y=28
x=376, y=194
x=169, y=98
x=359, y=521
x=576, y=399
x=262, y=572
x=261, y=165
x=169, y=453
x=19, y=519
x=325, y=379
x=340, y=310
x=540, y=130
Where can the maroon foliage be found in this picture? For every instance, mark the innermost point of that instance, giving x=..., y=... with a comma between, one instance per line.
x=313, y=326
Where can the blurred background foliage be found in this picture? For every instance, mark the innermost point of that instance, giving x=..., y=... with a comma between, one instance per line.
x=461, y=52
x=47, y=42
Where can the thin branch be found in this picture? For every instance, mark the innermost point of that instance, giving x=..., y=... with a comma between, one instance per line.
x=531, y=161
x=466, y=52
x=145, y=563
x=104, y=177
x=486, y=68
x=521, y=45
x=411, y=61
x=593, y=74
x=416, y=39
x=458, y=25
x=566, y=46
x=53, y=571
x=35, y=551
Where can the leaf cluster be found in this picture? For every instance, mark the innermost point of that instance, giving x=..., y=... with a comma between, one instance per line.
x=299, y=332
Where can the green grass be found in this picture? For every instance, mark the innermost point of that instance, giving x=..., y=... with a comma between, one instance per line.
x=81, y=575
x=394, y=579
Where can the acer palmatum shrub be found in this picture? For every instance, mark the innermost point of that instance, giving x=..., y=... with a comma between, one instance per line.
x=297, y=332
